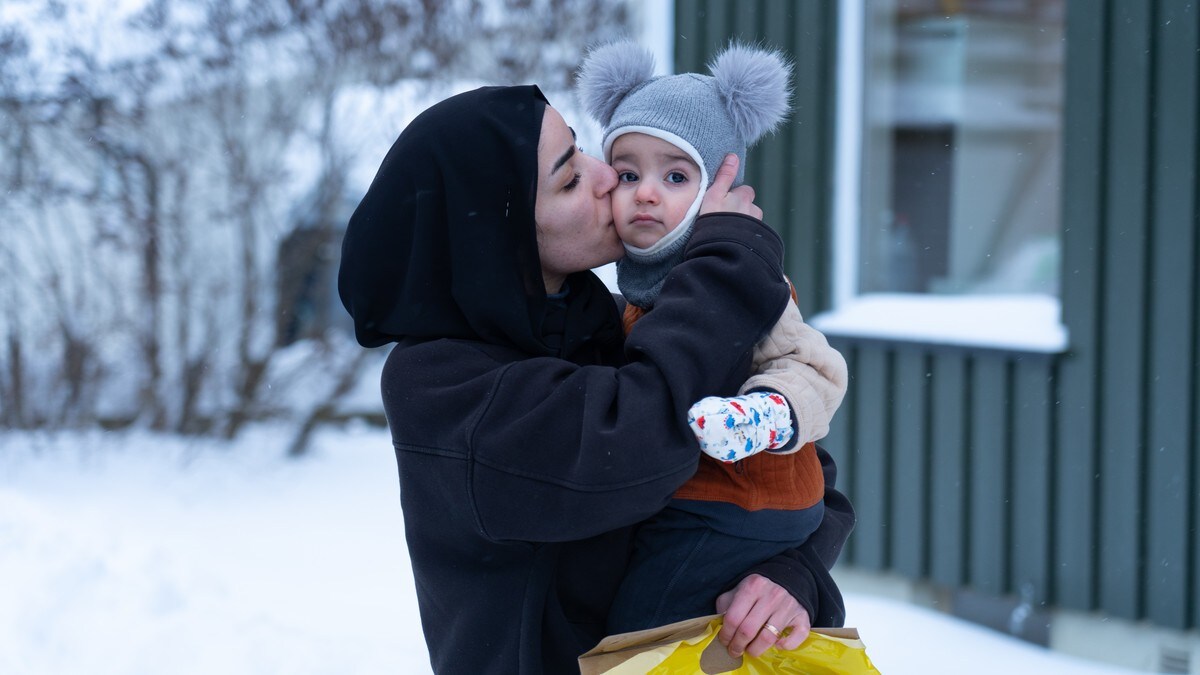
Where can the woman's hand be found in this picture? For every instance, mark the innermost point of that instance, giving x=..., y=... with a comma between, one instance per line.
x=720, y=198
x=752, y=605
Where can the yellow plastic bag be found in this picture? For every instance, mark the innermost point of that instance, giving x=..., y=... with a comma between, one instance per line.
x=691, y=647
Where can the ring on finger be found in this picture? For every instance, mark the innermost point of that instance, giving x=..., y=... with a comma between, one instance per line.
x=773, y=630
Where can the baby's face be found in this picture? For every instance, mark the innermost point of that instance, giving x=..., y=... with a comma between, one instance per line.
x=656, y=184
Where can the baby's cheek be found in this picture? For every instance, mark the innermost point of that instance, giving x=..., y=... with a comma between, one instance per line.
x=621, y=207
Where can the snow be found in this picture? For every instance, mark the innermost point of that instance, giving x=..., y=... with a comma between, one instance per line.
x=1013, y=322
x=144, y=554
x=131, y=553
x=900, y=638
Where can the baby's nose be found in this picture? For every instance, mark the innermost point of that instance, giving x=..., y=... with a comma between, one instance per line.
x=646, y=192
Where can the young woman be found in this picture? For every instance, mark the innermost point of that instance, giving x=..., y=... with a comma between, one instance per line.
x=530, y=435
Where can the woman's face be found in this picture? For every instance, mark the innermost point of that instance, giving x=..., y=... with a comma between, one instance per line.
x=573, y=212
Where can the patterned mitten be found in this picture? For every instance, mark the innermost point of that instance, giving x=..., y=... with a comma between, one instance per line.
x=730, y=429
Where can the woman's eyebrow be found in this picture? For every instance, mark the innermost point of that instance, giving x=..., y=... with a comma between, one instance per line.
x=566, y=156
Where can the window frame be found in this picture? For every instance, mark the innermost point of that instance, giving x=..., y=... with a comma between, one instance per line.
x=1015, y=322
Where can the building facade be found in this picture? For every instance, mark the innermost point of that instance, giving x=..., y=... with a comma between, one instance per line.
x=990, y=206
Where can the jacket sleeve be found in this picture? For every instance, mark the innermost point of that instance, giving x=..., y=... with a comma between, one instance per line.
x=563, y=452
x=797, y=361
x=804, y=571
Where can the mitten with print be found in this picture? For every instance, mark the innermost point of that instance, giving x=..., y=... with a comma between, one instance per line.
x=730, y=429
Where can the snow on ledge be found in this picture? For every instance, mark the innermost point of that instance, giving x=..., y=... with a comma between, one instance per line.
x=1026, y=323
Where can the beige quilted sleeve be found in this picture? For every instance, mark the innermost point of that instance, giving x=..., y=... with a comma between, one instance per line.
x=796, y=360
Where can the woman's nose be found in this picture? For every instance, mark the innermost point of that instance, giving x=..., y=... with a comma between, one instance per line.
x=606, y=178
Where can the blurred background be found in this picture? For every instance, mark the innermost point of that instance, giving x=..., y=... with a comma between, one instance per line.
x=990, y=206
x=177, y=176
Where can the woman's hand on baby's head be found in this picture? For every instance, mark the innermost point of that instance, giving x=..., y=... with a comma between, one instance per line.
x=721, y=199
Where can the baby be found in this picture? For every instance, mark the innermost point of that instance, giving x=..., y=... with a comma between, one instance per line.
x=666, y=136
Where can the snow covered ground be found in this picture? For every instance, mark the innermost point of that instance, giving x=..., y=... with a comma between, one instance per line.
x=134, y=553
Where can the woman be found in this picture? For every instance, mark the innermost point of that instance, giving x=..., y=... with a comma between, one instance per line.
x=530, y=435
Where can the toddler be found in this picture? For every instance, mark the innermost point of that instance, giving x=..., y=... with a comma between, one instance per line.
x=758, y=490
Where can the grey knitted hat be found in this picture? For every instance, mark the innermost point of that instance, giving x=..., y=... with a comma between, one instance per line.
x=706, y=116
x=745, y=98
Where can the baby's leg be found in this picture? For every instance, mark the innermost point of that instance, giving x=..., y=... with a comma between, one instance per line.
x=679, y=567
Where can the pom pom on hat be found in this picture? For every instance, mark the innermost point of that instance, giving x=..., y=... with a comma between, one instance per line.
x=609, y=73
x=753, y=83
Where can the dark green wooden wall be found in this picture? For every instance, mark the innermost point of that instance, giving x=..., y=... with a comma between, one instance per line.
x=791, y=170
x=1074, y=476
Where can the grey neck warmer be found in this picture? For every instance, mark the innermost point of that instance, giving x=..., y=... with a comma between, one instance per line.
x=640, y=277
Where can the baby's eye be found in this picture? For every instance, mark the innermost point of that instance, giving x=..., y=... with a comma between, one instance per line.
x=677, y=177
x=627, y=177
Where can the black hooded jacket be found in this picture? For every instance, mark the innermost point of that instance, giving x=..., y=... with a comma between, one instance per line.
x=530, y=435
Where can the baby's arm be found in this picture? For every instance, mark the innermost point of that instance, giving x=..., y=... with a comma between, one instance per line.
x=798, y=384
x=730, y=429
x=796, y=360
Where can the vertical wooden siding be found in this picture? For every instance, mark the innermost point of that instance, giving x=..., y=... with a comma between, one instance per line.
x=1172, y=434
x=1126, y=434
x=791, y=169
x=950, y=461
x=1072, y=477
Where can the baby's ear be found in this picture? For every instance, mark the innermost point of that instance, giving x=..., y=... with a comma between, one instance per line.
x=609, y=73
x=753, y=83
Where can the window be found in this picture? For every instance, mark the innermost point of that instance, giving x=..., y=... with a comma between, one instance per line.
x=949, y=171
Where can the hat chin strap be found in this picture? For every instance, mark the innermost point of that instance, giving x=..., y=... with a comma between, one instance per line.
x=685, y=225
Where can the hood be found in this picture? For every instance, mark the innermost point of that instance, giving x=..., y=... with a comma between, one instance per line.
x=444, y=243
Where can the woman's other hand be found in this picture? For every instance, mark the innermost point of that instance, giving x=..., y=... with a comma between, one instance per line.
x=720, y=198
x=750, y=607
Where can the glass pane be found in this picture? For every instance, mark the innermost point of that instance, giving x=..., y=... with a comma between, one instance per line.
x=961, y=147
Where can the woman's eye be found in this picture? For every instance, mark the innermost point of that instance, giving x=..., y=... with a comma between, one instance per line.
x=677, y=177
x=627, y=177
x=574, y=181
